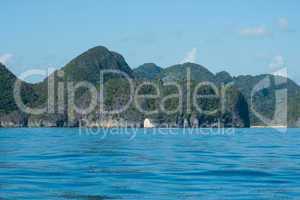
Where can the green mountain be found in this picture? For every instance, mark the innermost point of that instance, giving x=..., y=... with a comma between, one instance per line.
x=148, y=71
x=265, y=100
x=179, y=72
x=87, y=67
x=9, y=112
x=7, y=82
x=223, y=77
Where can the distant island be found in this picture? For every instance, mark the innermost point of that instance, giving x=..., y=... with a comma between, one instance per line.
x=170, y=95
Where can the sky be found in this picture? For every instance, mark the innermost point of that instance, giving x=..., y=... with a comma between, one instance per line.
x=239, y=36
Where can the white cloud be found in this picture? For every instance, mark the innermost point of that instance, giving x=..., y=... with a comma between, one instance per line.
x=283, y=23
x=281, y=72
x=258, y=31
x=5, y=58
x=191, y=56
x=277, y=63
x=278, y=66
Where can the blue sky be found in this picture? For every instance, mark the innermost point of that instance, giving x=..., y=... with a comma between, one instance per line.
x=239, y=36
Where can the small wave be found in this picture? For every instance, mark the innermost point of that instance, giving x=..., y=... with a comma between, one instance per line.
x=242, y=173
x=85, y=197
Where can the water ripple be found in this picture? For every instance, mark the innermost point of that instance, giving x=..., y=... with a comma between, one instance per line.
x=62, y=164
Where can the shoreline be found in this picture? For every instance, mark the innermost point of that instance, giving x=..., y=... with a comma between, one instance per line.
x=252, y=127
x=276, y=126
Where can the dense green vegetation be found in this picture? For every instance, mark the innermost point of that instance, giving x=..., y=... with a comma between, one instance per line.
x=148, y=71
x=265, y=100
x=116, y=93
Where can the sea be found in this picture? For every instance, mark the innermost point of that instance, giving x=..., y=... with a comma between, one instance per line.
x=166, y=164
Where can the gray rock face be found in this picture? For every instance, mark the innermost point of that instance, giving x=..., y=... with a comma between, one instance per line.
x=14, y=119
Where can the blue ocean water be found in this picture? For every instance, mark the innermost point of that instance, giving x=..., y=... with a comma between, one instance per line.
x=97, y=165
